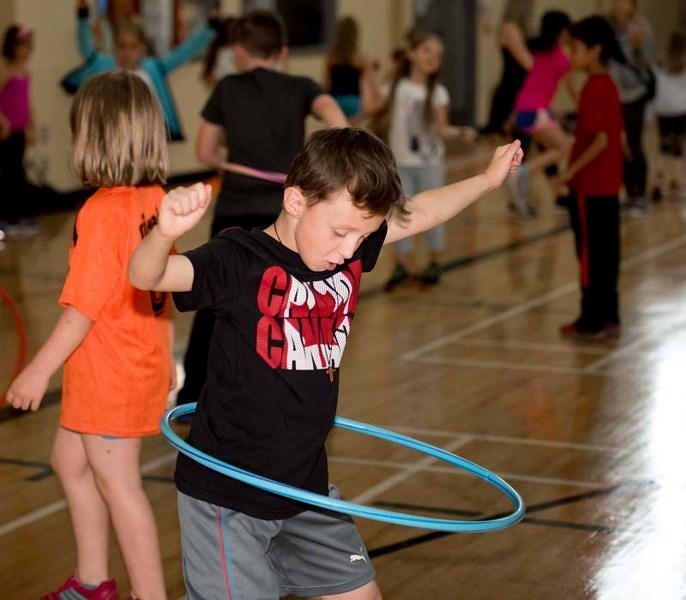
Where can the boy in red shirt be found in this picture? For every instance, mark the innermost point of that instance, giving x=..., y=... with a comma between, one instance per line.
x=594, y=176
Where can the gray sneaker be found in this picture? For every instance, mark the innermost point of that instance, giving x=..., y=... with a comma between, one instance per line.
x=636, y=208
x=518, y=188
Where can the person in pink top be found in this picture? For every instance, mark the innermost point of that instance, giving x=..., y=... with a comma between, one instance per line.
x=533, y=115
x=16, y=128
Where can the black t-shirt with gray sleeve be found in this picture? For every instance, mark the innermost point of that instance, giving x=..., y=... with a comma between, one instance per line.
x=262, y=113
x=268, y=403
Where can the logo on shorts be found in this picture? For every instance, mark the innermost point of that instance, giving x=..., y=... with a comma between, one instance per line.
x=356, y=557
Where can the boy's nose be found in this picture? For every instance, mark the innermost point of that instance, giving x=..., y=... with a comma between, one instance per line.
x=348, y=249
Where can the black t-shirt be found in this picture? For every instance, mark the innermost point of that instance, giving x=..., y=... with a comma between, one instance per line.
x=268, y=403
x=263, y=116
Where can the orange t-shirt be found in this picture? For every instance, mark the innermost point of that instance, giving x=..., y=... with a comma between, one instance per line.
x=117, y=381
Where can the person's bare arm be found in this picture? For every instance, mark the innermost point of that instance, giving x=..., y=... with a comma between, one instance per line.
x=371, y=98
x=594, y=149
x=210, y=146
x=452, y=132
x=512, y=39
x=27, y=390
x=151, y=267
x=571, y=87
x=326, y=109
x=432, y=207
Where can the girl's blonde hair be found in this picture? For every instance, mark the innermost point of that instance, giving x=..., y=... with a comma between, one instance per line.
x=119, y=133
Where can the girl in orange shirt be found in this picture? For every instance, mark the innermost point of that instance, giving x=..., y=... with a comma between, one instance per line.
x=115, y=340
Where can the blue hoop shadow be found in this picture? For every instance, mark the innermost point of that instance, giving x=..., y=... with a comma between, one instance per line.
x=351, y=508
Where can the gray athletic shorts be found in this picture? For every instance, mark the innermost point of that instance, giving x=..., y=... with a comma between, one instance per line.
x=229, y=555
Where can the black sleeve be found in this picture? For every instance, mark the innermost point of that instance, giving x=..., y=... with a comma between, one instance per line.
x=310, y=90
x=218, y=270
x=212, y=111
x=370, y=249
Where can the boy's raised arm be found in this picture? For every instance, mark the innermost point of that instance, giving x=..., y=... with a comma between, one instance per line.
x=432, y=207
x=151, y=267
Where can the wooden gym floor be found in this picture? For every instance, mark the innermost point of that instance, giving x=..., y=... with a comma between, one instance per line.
x=590, y=434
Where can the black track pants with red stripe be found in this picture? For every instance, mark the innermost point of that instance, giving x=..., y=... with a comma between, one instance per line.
x=595, y=221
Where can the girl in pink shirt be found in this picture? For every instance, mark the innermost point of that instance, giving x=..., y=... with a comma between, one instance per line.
x=16, y=128
x=532, y=106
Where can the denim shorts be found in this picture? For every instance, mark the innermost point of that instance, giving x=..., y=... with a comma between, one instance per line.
x=531, y=121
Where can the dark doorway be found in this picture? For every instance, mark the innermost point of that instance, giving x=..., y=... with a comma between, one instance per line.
x=456, y=22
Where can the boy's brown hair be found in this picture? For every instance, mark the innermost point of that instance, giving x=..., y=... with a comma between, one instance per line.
x=261, y=32
x=351, y=159
x=119, y=132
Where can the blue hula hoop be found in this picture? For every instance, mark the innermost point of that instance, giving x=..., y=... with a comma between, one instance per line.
x=350, y=508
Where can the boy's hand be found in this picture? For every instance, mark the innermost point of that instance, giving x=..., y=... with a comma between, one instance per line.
x=182, y=208
x=505, y=159
x=27, y=390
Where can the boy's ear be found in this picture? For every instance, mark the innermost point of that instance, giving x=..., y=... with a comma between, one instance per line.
x=283, y=55
x=294, y=203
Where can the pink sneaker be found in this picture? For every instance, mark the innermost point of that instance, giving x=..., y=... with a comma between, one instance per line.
x=73, y=588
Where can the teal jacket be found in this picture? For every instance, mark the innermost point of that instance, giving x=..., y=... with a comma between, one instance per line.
x=156, y=68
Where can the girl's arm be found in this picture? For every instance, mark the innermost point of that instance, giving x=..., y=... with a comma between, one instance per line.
x=430, y=208
x=326, y=109
x=28, y=389
x=189, y=49
x=452, y=132
x=595, y=148
x=84, y=33
x=512, y=39
x=151, y=267
x=370, y=95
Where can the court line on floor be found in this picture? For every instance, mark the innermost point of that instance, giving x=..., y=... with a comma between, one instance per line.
x=522, y=345
x=523, y=307
x=59, y=505
x=504, y=439
x=434, y=535
x=478, y=326
x=510, y=366
x=349, y=460
x=407, y=470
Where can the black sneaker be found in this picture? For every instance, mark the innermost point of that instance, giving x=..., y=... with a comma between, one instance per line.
x=562, y=204
x=431, y=275
x=398, y=277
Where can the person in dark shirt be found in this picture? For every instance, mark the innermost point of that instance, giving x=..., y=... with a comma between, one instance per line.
x=285, y=297
x=258, y=117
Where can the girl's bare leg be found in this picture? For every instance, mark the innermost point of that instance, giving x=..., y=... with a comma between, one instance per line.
x=88, y=510
x=116, y=464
